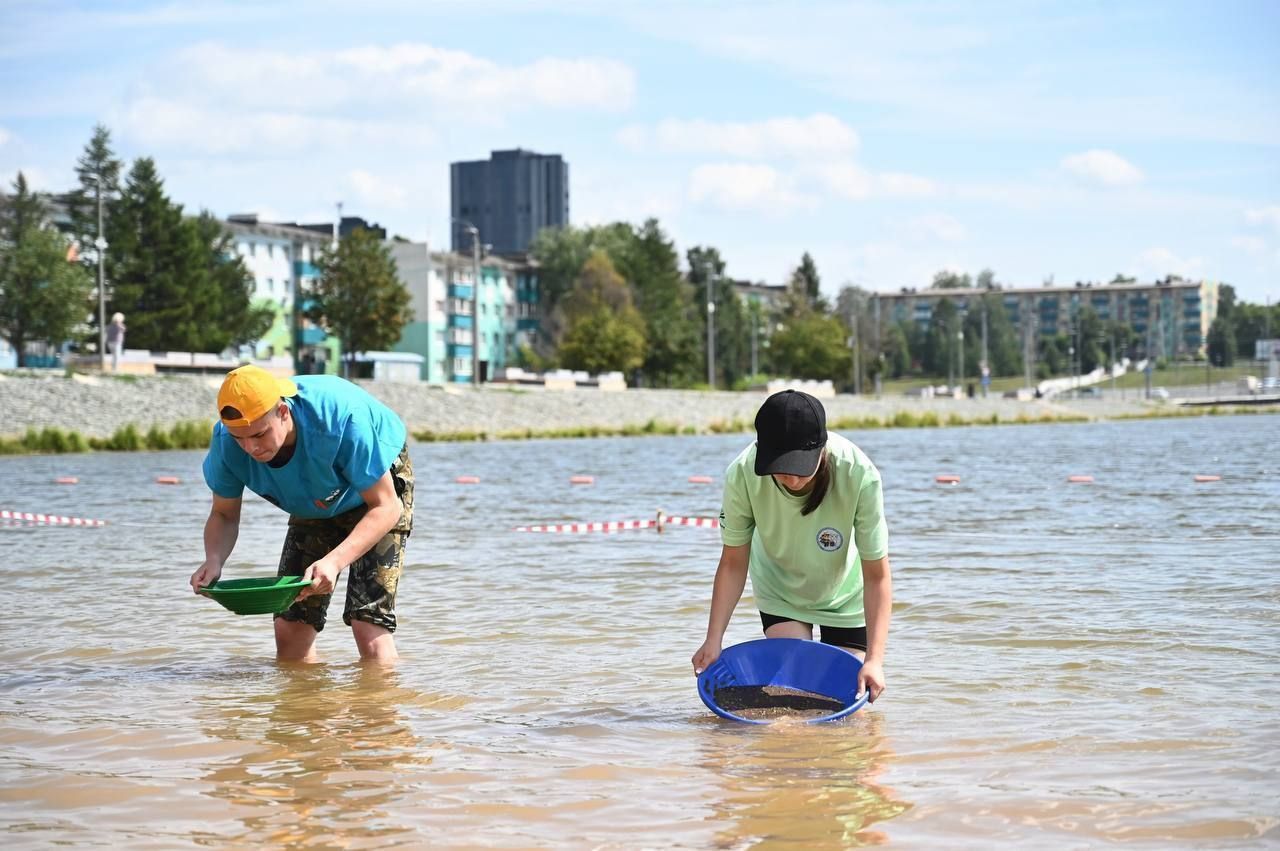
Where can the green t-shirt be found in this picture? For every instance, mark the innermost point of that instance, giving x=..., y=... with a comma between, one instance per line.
x=808, y=568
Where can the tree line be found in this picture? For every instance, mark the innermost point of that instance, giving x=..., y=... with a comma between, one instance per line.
x=614, y=297
x=176, y=277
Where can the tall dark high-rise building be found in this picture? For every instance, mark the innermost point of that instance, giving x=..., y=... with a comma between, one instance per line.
x=509, y=197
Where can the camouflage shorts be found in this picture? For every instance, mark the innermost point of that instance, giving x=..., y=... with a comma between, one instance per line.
x=371, y=579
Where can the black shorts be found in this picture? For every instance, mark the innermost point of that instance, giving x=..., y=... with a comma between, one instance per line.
x=854, y=637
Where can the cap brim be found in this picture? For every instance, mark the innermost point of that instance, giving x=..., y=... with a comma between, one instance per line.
x=795, y=462
x=287, y=387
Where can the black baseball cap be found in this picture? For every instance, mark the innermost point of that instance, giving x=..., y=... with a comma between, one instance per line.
x=791, y=431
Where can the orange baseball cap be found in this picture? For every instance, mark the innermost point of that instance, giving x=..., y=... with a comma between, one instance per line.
x=251, y=391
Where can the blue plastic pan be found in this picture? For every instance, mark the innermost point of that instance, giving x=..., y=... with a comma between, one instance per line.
x=787, y=662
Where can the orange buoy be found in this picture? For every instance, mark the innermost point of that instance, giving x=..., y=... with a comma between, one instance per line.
x=66, y=480
x=700, y=480
x=1080, y=480
x=947, y=480
x=167, y=480
x=1208, y=478
x=468, y=480
x=582, y=480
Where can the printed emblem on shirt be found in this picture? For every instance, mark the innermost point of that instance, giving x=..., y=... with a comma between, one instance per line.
x=325, y=503
x=830, y=540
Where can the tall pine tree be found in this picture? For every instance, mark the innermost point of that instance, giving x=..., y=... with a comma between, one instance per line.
x=154, y=265
x=650, y=264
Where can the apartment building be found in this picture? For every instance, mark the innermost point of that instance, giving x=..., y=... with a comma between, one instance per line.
x=1173, y=315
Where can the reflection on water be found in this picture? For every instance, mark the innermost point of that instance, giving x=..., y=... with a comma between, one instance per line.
x=1069, y=665
x=802, y=785
x=329, y=757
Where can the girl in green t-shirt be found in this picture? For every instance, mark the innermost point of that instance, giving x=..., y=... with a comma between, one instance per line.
x=803, y=515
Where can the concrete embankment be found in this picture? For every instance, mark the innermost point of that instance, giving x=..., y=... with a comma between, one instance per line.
x=96, y=406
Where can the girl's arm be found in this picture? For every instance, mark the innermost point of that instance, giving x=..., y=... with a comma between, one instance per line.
x=877, y=601
x=731, y=578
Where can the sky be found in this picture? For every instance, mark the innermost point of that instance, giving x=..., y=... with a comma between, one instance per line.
x=1070, y=141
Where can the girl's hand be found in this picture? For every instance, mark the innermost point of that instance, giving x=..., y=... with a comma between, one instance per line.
x=871, y=678
x=707, y=653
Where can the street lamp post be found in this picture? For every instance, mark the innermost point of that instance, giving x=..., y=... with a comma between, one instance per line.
x=100, y=246
x=755, y=329
x=711, y=334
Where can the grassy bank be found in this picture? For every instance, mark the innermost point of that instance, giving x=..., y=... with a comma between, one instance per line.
x=902, y=419
x=195, y=435
x=56, y=441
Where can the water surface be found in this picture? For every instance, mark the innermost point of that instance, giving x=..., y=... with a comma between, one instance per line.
x=1069, y=665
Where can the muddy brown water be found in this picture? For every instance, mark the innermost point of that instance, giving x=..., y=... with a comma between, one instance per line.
x=1070, y=666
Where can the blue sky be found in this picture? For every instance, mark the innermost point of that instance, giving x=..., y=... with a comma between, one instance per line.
x=891, y=140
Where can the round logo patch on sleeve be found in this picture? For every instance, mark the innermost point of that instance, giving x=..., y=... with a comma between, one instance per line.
x=830, y=540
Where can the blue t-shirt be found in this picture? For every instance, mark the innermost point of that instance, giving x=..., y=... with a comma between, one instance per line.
x=346, y=441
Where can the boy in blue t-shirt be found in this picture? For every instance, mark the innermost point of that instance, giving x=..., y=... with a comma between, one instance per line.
x=337, y=460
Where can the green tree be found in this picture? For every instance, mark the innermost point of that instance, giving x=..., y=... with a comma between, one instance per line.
x=97, y=161
x=732, y=317
x=1088, y=340
x=603, y=330
x=804, y=290
x=812, y=346
x=1222, y=342
x=42, y=295
x=938, y=355
x=560, y=254
x=359, y=297
x=648, y=261
x=226, y=289
x=948, y=280
x=154, y=264
x=897, y=351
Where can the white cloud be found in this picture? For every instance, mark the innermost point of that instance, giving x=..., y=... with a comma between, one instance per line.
x=852, y=182
x=818, y=135
x=896, y=185
x=845, y=180
x=375, y=190
x=1249, y=244
x=938, y=226
x=1105, y=167
x=412, y=77
x=160, y=122
x=5, y=136
x=1268, y=216
x=1161, y=261
x=220, y=98
x=744, y=186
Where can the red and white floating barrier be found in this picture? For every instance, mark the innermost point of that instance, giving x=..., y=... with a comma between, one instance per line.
x=610, y=526
x=700, y=480
x=48, y=519
x=699, y=522
x=582, y=480
x=66, y=480
x=167, y=480
x=947, y=479
x=467, y=480
x=623, y=525
x=1203, y=479
x=1080, y=480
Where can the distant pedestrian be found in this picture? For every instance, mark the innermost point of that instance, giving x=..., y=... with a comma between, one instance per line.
x=337, y=460
x=803, y=515
x=115, y=339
